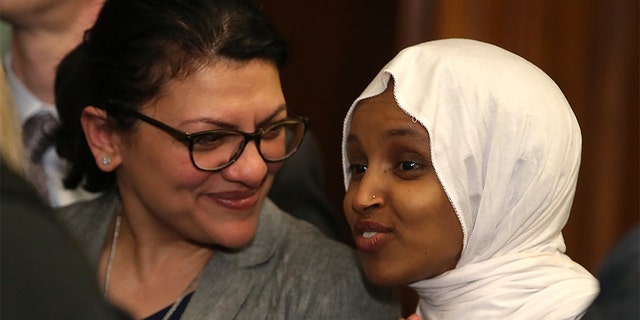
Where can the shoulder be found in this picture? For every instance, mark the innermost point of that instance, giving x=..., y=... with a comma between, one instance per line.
x=88, y=220
x=329, y=276
x=306, y=242
x=290, y=270
x=82, y=214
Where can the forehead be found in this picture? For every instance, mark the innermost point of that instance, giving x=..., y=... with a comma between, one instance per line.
x=382, y=108
x=381, y=118
x=224, y=83
x=224, y=74
x=240, y=93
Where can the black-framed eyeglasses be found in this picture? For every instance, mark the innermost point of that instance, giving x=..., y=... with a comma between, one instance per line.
x=215, y=150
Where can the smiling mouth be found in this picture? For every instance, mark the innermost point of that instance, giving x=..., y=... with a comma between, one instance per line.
x=236, y=200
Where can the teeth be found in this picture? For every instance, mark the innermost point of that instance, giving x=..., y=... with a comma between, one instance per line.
x=368, y=235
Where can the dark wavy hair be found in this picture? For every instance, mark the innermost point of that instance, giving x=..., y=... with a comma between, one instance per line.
x=134, y=49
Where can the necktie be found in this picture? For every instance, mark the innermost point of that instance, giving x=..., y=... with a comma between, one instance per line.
x=38, y=133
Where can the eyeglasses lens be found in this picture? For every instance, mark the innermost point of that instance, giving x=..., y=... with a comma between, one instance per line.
x=215, y=150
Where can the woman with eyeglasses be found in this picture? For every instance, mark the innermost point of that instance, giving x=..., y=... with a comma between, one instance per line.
x=176, y=110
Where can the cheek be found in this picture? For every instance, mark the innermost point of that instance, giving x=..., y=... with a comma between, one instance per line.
x=433, y=232
x=427, y=205
x=163, y=162
x=179, y=169
x=435, y=214
x=347, y=207
x=187, y=177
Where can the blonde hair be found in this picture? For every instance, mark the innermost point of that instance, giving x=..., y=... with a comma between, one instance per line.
x=11, y=147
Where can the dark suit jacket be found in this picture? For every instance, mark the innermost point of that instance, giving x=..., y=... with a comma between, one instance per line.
x=44, y=275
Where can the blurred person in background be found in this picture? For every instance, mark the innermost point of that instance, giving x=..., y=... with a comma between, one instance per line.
x=44, y=273
x=42, y=32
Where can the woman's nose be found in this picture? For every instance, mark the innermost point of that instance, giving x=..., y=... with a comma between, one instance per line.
x=368, y=194
x=249, y=169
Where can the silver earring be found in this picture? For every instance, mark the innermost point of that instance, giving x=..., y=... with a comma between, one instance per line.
x=106, y=160
x=414, y=120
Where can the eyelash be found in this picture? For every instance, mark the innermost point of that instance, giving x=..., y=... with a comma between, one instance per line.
x=414, y=165
x=358, y=170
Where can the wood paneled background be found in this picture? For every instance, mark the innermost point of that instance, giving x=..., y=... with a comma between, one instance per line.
x=589, y=47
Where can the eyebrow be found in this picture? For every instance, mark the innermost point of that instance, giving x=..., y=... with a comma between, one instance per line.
x=409, y=132
x=227, y=125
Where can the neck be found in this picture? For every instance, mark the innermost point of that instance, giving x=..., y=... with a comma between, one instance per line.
x=41, y=39
x=150, y=251
x=145, y=272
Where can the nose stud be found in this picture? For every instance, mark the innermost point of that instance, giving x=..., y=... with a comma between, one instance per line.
x=373, y=196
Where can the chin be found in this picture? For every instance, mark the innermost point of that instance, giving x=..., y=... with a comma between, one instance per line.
x=382, y=279
x=238, y=237
x=382, y=273
x=236, y=243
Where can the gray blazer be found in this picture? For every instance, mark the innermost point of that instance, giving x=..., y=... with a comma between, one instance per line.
x=290, y=271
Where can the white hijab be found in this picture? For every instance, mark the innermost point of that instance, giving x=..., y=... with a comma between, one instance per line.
x=506, y=147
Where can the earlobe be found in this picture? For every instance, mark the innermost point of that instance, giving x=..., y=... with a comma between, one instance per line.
x=100, y=138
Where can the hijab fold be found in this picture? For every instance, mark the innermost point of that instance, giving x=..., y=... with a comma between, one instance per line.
x=506, y=147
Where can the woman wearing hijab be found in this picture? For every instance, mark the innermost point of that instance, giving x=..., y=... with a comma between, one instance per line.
x=460, y=163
